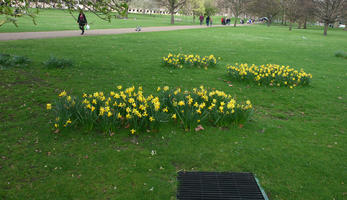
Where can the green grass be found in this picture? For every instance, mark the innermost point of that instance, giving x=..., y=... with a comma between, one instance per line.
x=295, y=143
x=54, y=19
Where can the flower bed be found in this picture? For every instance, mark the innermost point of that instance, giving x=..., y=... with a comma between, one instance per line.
x=180, y=60
x=206, y=107
x=273, y=75
x=130, y=109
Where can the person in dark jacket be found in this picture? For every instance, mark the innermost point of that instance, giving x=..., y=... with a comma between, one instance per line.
x=208, y=20
x=82, y=21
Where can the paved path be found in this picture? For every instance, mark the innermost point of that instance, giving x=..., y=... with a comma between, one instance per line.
x=76, y=33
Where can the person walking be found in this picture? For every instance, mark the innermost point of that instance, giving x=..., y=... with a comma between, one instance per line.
x=211, y=21
x=201, y=19
x=82, y=21
x=208, y=20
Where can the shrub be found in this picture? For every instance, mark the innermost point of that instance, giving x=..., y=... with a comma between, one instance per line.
x=54, y=62
x=7, y=60
x=180, y=60
x=341, y=54
x=129, y=108
x=20, y=60
x=273, y=75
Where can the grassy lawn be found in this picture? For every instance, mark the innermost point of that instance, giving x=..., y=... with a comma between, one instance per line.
x=295, y=143
x=54, y=19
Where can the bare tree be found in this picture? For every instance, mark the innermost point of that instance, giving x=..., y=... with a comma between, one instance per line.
x=104, y=9
x=297, y=11
x=264, y=8
x=329, y=11
x=306, y=12
x=173, y=6
x=237, y=7
x=292, y=13
x=344, y=14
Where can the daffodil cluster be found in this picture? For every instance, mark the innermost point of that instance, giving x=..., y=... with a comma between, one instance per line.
x=127, y=108
x=204, y=106
x=269, y=74
x=180, y=60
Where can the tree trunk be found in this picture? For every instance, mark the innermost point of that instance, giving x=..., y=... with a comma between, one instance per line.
x=299, y=24
x=193, y=18
x=235, y=22
x=326, y=29
x=290, y=26
x=283, y=16
x=126, y=14
x=172, y=18
x=305, y=22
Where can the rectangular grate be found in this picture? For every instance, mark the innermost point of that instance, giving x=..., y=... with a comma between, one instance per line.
x=217, y=186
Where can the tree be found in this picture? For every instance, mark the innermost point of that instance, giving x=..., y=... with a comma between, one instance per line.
x=210, y=8
x=237, y=7
x=104, y=9
x=173, y=6
x=306, y=12
x=264, y=8
x=292, y=11
x=299, y=11
x=283, y=11
x=329, y=11
x=194, y=8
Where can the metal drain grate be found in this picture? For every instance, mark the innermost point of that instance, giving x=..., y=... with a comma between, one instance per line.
x=217, y=186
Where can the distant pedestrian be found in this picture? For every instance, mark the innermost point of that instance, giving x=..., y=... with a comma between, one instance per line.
x=228, y=21
x=201, y=19
x=82, y=21
x=211, y=21
x=208, y=20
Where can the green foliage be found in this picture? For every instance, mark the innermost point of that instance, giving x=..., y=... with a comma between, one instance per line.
x=341, y=54
x=20, y=60
x=54, y=62
x=7, y=60
x=210, y=8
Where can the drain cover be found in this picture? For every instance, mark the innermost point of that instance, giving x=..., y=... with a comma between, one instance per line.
x=217, y=186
